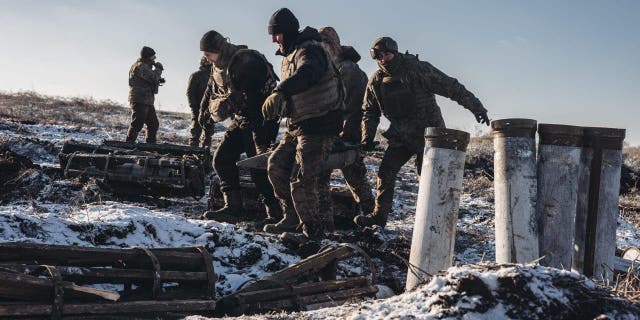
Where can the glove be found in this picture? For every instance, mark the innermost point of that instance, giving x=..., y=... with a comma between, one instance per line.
x=158, y=65
x=482, y=117
x=370, y=145
x=272, y=106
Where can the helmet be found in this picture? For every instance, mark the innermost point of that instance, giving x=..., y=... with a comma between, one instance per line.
x=383, y=44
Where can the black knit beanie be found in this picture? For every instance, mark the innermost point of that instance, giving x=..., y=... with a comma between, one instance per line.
x=147, y=53
x=283, y=21
x=212, y=41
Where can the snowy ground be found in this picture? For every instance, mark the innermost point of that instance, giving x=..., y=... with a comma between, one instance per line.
x=59, y=211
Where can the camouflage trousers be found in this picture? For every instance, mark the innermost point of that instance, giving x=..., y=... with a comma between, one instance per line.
x=199, y=136
x=235, y=142
x=394, y=158
x=142, y=114
x=294, y=168
x=356, y=177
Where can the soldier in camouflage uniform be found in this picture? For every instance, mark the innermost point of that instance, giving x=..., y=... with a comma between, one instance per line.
x=195, y=91
x=311, y=97
x=144, y=80
x=240, y=81
x=355, y=82
x=403, y=90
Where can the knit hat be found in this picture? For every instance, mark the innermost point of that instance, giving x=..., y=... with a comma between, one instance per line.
x=283, y=21
x=147, y=53
x=212, y=41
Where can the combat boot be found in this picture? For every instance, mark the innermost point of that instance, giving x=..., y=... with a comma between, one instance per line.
x=370, y=219
x=232, y=210
x=273, y=211
x=289, y=223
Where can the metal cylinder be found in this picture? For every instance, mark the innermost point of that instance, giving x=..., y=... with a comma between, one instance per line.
x=559, y=164
x=605, y=146
x=515, y=185
x=438, y=201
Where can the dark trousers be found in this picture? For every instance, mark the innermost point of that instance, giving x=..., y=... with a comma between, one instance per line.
x=355, y=175
x=199, y=136
x=394, y=158
x=235, y=142
x=294, y=168
x=142, y=114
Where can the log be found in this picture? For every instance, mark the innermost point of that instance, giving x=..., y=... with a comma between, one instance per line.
x=32, y=253
x=26, y=287
x=621, y=265
x=134, y=307
x=310, y=266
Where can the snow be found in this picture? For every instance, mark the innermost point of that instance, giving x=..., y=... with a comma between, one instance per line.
x=113, y=224
x=242, y=256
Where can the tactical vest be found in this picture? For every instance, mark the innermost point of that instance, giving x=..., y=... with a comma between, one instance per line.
x=404, y=96
x=325, y=96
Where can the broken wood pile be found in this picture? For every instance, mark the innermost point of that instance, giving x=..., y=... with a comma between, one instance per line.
x=139, y=168
x=53, y=281
x=308, y=284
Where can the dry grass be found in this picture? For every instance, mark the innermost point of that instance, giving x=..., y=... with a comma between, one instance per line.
x=628, y=285
x=32, y=107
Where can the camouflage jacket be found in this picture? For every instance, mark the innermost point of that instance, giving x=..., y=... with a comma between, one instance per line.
x=355, y=83
x=407, y=99
x=196, y=87
x=143, y=82
x=239, y=90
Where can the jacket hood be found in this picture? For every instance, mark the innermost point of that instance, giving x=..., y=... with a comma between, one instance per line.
x=350, y=53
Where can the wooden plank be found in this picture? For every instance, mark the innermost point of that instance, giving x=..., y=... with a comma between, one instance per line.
x=31, y=253
x=312, y=265
x=82, y=275
x=134, y=307
x=302, y=290
x=335, y=296
x=26, y=287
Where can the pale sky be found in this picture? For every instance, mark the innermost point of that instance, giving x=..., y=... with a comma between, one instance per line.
x=568, y=62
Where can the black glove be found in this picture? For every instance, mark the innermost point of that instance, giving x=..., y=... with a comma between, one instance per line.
x=158, y=65
x=370, y=145
x=482, y=117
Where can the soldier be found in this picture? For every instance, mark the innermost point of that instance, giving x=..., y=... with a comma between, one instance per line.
x=355, y=82
x=240, y=81
x=144, y=80
x=195, y=91
x=403, y=90
x=311, y=97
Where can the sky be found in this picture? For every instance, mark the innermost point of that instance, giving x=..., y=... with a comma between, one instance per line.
x=567, y=62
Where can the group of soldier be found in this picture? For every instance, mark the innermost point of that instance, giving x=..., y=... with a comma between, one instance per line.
x=325, y=99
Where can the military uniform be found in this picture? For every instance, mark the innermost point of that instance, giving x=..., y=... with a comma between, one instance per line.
x=195, y=91
x=239, y=83
x=313, y=94
x=404, y=92
x=355, y=82
x=144, y=79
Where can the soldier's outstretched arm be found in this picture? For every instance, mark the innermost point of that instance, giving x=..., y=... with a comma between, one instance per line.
x=441, y=84
x=194, y=100
x=371, y=116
